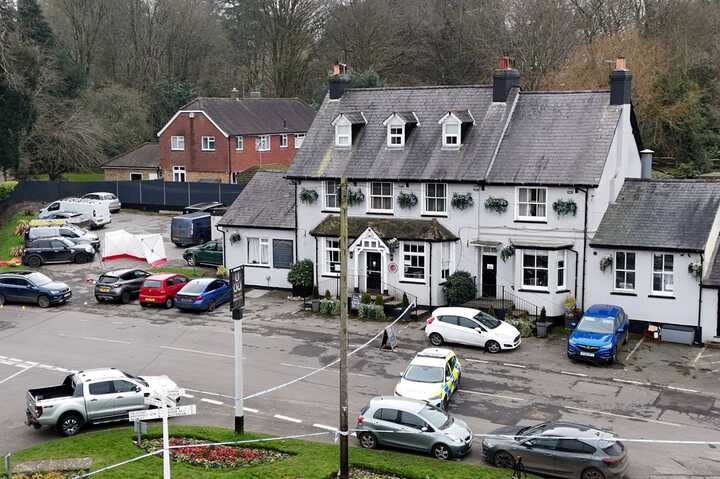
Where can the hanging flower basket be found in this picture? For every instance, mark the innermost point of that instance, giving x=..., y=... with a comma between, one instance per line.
x=392, y=243
x=462, y=201
x=235, y=238
x=565, y=207
x=407, y=200
x=308, y=196
x=606, y=262
x=355, y=197
x=507, y=252
x=498, y=205
x=695, y=269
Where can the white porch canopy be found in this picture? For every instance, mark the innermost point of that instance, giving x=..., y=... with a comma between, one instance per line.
x=369, y=240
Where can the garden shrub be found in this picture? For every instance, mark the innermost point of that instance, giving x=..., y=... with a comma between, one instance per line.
x=379, y=300
x=459, y=288
x=330, y=307
x=371, y=311
x=301, y=275
x=366, y=298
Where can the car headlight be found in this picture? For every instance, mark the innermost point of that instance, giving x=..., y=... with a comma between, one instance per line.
x=456, y=439
x=89, y=248
x=605, y=347
x=54, y=291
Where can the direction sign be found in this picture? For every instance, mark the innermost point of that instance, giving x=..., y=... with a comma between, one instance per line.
x=148, y=414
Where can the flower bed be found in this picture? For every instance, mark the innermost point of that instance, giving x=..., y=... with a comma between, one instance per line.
x=214, y=457
x=47, y=475
x=357, y=473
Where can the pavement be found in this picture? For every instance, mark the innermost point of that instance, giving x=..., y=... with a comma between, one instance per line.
x=659, y=391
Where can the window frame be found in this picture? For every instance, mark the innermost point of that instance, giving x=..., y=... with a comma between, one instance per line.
x=405, y=255
x=394, y=125
x=529, y=202
x=561, y=257
x=235, y=177
x=343, y=123
x=179, y=139
x=239, y=143
x=370, y=197
x=284, y=141
x=177, y=171
x=327, y=261
x=536, y=269
x=261, y=242
x=301, y=137
x=625, y=270
x=326, y=194
x=426, y=197
x=292, y=252
x=135, y=173
x=451, y=121
x=205, y=143
x=662, y=272
x=261, y=140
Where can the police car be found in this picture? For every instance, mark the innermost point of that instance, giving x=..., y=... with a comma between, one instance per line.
x=432, y=376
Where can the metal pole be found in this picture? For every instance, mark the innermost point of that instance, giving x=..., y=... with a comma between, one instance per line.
x=8, y=465
x=166, y=445
x=237, y=315
x=344, y=468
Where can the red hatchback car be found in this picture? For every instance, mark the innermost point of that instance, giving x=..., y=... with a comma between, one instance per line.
x=161, y=289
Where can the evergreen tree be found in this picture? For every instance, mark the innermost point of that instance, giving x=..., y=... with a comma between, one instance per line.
x=32, y=24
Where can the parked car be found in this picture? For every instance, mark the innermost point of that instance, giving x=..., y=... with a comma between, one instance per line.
x=600, y=333
x=112, y=201
x=119, y=285
x=209, y=207
x=32, y=287
x=94, y=396
x=210, y=253
x=161, y=289
x=412, y=424
x=191, y=229
x=204, y=294
x=558, y=449
x=56, y=250
x=80, y=220
x=472, y=327
x=71, y=232
x=433, y=376
x=97, y=211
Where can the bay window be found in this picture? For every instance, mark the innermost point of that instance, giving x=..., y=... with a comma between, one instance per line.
x=535, y=269
x=413, y=262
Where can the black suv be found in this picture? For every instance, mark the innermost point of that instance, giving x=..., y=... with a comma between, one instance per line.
x=56, y=250
x=214, y=208
x=32, y=287
x=119, y=285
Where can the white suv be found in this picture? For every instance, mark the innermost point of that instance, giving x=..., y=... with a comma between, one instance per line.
x=472, y=327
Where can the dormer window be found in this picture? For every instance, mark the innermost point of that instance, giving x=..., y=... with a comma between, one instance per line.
x=398, y=127
x=396, y=135
x=454, y=124
x=346, y=125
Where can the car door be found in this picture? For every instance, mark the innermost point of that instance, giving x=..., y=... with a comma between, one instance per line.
x=128, y=397
x=471, y=332
x=137, y=279
x=60, y=251
x=572, y=457
x=414, y=436
x=179, y=283
x=9, y=288
x=386, y=426
x=69, y=234
x=216, y=254
x=25, y=291
x=99, y=400
x=450, y=330
x=539, y=454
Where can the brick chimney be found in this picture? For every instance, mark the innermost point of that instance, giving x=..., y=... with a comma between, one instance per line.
x=339, y=81
x=620, y=83
x=505, y=79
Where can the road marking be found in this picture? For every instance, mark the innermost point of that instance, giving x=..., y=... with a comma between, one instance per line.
x=699, y=355
x=198, y=352
x=9, y=363
x=3, y=357
x=285, y=418
x=62, y=370
x=631, y=381
x=685, y=390
x=500, y=396
x=313, y=368
x=103, y=340
x=15, y=359
x=189, y=396
x=513, y=365
x=635, y=348
x=574, y=374
x=635, y=418
x=212, y=401
x=249, y=409
x=13, y=375
x=477, y=361
x=327, y=428
x=210, y=394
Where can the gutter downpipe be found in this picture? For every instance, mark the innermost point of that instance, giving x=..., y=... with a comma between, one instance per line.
x=577, y=259
x=585, y=229
x=699, y=327
x=296, y=223
x=430, y=279
x=229, y=161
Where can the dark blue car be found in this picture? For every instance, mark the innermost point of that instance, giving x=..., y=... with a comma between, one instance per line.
x=32, y=287
x=599, y=334
x=204, y=294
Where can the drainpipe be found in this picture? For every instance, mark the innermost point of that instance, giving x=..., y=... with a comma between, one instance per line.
x=585, y=229
x=229, y=161
x=220, y=229
x=296, y=223
x=317, y=267
x=699, y=327
x=430, y=279
x=577, y=257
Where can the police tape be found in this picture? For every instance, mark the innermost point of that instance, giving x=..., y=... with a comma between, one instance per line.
x=331, y=364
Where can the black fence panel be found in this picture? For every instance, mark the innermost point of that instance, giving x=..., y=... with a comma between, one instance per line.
x=153, y=193
x=204, y=192
x=229, y=193
x=128, y=192
x=176, y=195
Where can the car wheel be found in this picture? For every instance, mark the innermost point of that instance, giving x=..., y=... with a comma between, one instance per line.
x=627, y=337
x=211, y=306
x=169, y=303
x=81, y=258
x=191, y=261
x=43, y=301
x=125, y=297
x=2, y=299
x=34, y=261
x=69, y=424
x=98, y=299
x=445, y=404
x=367, y=440
x=592, y=473
x=613, y=358
x=436, y=339
x=143, y=305
x=503, y=459
x=492, y=347
x=441, y=451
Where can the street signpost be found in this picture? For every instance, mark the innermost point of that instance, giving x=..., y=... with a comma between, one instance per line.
x=237, y=283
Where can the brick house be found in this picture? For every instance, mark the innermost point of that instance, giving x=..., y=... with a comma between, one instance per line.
x=142, y=163
x=216, y=139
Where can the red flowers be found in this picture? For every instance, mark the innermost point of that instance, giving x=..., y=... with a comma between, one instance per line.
x=214, y=456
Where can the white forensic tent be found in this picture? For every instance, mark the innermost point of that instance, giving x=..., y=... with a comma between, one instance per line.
x=121, y=244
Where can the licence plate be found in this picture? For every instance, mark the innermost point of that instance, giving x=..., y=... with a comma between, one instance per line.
x=150, y=300
x=104, y=290
x=590, y=355
x=67, y=295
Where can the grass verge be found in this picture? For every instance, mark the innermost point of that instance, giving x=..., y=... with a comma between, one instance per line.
x=8, y=239
x=76, y=176
x=309, y=460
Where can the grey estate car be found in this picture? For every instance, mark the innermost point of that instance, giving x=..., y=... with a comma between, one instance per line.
x=412, y=424
x=559, y=449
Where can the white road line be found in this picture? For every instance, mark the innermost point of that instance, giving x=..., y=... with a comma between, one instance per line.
x=13, y=375
x=189, y=396
x=635, y=348
x=3, y=357
x=581, y=375
x=685, y=390
x=210, y=394
x=327, y=428
x=15, y=359
x=249, y=409
x=9, y=363
x=212, y=401
x=327, y=370
x=631, y=381
x=635, y=418
x=699, y=355
x=513, y=365
x=500, y=396
x=482, y=361
x=207, y=353
x=285, y=418
x=62, y=370
x=103, y=340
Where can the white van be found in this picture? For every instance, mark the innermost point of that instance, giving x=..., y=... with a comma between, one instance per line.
x=97, y=211
x=112, y=201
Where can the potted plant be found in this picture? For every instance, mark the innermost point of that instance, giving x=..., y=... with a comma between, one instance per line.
x=308, y=196
x=572, y=313
x=462, y=201
x=407, y=200
x=498, y=205
x=300, y=277
x=543, y=324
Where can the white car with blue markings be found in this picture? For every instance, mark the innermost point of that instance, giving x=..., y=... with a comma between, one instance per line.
x=432, y=376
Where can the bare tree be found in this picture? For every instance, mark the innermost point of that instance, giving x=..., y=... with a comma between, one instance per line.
x=79, y=25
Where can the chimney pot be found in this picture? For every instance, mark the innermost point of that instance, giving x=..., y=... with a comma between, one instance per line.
x=504, y=63
x=620, y=63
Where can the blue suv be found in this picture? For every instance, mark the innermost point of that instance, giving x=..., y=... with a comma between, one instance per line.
x=32, y=287
x=599, y=334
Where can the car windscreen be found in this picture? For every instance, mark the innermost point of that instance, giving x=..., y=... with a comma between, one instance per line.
x=425, y=374
x=435, y=417
x=138, y=379
x=591, y=324
x=194, y=288
x=152, y=283
x=65, y=241
x=532, y=430
x=181, y=227
x=107, y=279
x=487, y=320
x=614, y=449
x=38, y=279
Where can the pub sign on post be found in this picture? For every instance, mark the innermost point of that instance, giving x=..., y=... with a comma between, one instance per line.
x=237, y=283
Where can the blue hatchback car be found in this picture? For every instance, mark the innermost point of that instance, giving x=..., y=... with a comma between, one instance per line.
x=600, y=333
x=204, y=294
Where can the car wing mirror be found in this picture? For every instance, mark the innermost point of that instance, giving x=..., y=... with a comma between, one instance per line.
x=528, y=444
x=424, y=429
x=137, y=389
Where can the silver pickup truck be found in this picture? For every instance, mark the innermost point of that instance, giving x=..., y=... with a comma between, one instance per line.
x=95, y=396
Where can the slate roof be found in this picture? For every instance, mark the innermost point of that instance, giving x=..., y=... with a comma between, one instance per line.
x=267, y=201
x=548, y=138
x=660, y=214
x=255, y=116
x=146, y=155
x=386, y=228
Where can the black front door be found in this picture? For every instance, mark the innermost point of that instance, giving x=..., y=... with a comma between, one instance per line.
x=489, y=276
x=373, y=268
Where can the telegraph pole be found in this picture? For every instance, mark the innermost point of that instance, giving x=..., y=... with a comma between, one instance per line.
x=342, y=294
